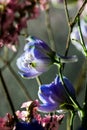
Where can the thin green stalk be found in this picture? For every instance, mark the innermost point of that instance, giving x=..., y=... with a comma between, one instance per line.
x=7, y=64
x=49, y=28
x=74, y=20
x=6, y=52
x=75, y=103
x=69, y=27
x=38, y=80
x=20, y=82
x=84, y=119
x=7, y=60
x=8, y=96
x=80, y=79
x=71, y=22
x=70, y=120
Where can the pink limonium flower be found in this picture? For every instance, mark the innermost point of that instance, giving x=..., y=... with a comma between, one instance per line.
x=19, y=12
x=30, y=108
x=54, y=97
x=52, y=122
x=75, y=36
x=7, y=122
x=32, y=119
x=38, y=57
x=29, y=119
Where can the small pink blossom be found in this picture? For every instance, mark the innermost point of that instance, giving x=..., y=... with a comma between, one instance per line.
x=22, y=115
x=7, y=122
x=52, y=122
x=30, y=110
x=44, y=4
x=5, y=2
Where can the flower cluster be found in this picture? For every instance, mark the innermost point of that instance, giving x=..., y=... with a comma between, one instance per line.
x=35, y=60
x=13, y=18
x=7, y=123
x=54, y=96
x=30, y=119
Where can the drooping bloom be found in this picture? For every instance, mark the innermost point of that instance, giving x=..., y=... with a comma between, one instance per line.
x=75, y=36
x=54, y=96
x=38, y=57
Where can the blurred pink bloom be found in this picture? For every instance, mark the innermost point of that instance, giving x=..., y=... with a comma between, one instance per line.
x=22, y=115
x=52, y=122
x=5, y=2
x=30, y=108
x=31, y=112
x=44, y=4
x=14, y=15
x=7, y=122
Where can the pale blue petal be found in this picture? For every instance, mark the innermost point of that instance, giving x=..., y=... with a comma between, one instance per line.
x=45, y=98
x=48, y=107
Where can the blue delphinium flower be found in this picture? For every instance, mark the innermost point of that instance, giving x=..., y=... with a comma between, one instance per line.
x=38, y=57
x=29, y=126
x=54, y=96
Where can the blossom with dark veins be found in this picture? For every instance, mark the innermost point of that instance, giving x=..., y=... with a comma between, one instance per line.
x=53, y=96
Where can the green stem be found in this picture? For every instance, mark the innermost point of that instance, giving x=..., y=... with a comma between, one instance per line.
x=38, y=81
x=8, y=96
x=84, y=119
x=71, y=119
x=80, y=79
x=75, y=103
x=49, y=28
x=69, y=30
x=20, y=82
x=74, y=20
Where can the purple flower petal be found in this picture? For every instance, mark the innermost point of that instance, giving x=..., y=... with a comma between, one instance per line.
x=47, y=107
x=36, y=57
x=55, y=93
